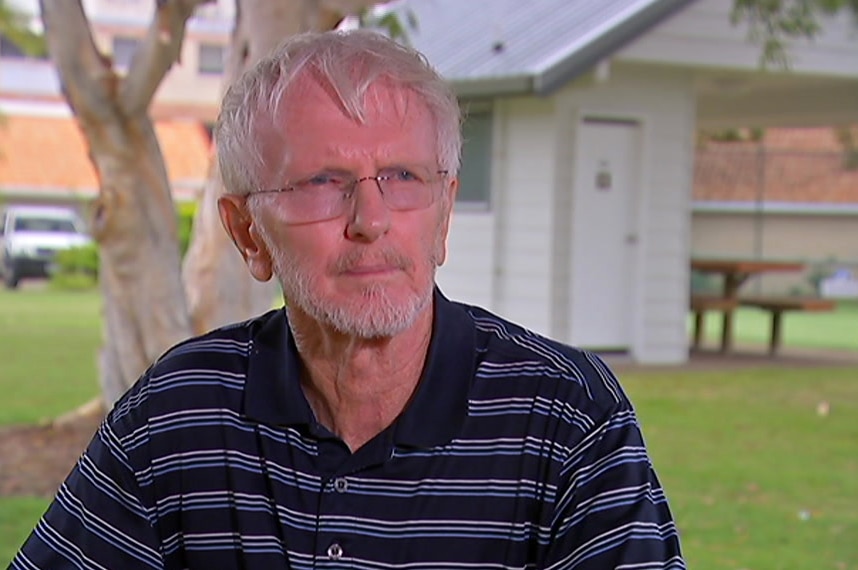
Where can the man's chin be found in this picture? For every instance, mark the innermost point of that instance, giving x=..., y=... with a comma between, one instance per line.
x=369, y=310
x=370, y=315
x=371, y=321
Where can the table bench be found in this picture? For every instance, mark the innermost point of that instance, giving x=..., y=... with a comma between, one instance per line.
x=778, y=305
x=699, y=305
x=734, y=272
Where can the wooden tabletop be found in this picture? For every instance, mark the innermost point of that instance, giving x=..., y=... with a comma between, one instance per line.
x=713, y=265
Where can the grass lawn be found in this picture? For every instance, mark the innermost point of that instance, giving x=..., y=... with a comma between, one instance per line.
x=757, y=478
x=48, y=344
x=836, y=329
x=17, y=517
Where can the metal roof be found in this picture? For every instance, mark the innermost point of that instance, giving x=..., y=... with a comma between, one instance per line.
x=486, y=47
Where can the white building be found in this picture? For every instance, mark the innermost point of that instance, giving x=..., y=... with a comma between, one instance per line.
x=574, y=216
x=193, y=87
x=575, y=208
x=38, y=121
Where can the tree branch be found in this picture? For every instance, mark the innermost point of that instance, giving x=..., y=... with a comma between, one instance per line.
x=331, y=12
x=156, y=54
x=347, y=7
x=773, y=23
x=86, y=76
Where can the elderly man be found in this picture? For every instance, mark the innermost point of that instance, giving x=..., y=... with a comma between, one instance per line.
x=372, y=423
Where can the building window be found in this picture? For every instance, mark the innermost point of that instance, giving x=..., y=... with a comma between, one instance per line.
x=211, y=59
x=9, y=49
x=475, y=180
x=123, y=51
x=213, y=11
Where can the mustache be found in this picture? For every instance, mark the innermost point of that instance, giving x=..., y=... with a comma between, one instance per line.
x=386, y=256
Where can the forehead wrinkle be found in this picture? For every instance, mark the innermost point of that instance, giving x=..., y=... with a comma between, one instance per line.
x=386, y=152
x=389, y=106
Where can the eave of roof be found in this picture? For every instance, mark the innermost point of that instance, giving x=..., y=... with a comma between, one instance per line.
x=790, y=208
x=526, y=48
x=615, y=35
x=494, y=86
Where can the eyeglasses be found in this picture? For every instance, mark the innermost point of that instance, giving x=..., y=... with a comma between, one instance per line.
x=326, y=195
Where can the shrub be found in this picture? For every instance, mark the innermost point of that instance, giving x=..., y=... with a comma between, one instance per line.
x=819, y=270
x=185, y=212
x=76, y=268
x=704, y=284
x=72, y=282
x=82, y=259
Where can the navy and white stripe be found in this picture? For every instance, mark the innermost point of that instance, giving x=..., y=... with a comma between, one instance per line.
x=515, y=452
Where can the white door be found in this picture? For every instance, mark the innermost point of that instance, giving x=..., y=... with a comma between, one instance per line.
x=604, y=234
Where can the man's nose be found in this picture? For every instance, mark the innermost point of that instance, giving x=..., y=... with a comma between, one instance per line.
x=370, y=216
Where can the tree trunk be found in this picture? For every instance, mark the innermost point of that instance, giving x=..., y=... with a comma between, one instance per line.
x=135, y=224
x=219, y=288
x=134, y=220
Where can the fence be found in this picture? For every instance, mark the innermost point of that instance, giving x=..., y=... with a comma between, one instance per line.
x=759, y=202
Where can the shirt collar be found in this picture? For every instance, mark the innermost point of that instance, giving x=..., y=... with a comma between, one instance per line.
x=273, y=393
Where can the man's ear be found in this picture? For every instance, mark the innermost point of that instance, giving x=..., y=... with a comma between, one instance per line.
x=239, y=224
x=447, y=202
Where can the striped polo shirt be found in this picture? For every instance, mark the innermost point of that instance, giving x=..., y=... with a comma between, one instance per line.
x=514, y=452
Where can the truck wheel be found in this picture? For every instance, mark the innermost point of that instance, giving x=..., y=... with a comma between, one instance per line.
x=10, y=277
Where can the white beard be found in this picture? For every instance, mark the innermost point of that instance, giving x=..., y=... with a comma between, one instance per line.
x=374, y=313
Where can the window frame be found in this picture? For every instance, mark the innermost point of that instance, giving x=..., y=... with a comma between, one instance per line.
x=206, y=70
x=470, y=108
x=132, y=42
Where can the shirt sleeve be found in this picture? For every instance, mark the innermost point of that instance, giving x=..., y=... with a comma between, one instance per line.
x=612, y=511
x=97, y=519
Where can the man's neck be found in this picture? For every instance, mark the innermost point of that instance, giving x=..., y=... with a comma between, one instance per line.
x=356, y=386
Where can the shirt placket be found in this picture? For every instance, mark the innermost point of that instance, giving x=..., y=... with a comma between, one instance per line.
x=340, y=508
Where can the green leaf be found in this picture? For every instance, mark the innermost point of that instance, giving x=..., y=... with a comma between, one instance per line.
x=14, y=26
x=773, y=22
x=390, y=23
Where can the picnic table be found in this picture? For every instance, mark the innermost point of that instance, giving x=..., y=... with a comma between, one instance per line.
x=735, y=272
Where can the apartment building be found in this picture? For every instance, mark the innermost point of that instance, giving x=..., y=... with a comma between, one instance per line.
x=191, y=89
x=38, y=123
x=194, y=86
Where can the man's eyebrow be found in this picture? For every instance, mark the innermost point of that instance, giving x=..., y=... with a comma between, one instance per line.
x=322, y=170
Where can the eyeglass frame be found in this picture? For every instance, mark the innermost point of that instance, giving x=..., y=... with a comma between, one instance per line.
x=349, y=189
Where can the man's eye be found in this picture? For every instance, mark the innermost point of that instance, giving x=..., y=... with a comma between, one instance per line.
x=402, y=175
x=321, y=180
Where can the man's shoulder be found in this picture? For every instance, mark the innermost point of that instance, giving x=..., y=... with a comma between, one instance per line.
x=512, y=351
x=198, y=371
x=504, y=339
x=222, y=344
x=235, y=340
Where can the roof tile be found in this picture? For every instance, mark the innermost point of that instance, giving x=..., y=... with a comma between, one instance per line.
x=797, y=165
x=49, y=155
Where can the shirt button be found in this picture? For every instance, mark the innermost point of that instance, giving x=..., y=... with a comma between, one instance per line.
x=335, y=551
x=341, y=485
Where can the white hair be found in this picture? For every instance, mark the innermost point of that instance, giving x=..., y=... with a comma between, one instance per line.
x=346, y=62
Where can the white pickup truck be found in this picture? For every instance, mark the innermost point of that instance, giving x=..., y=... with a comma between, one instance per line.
x=31, y=237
